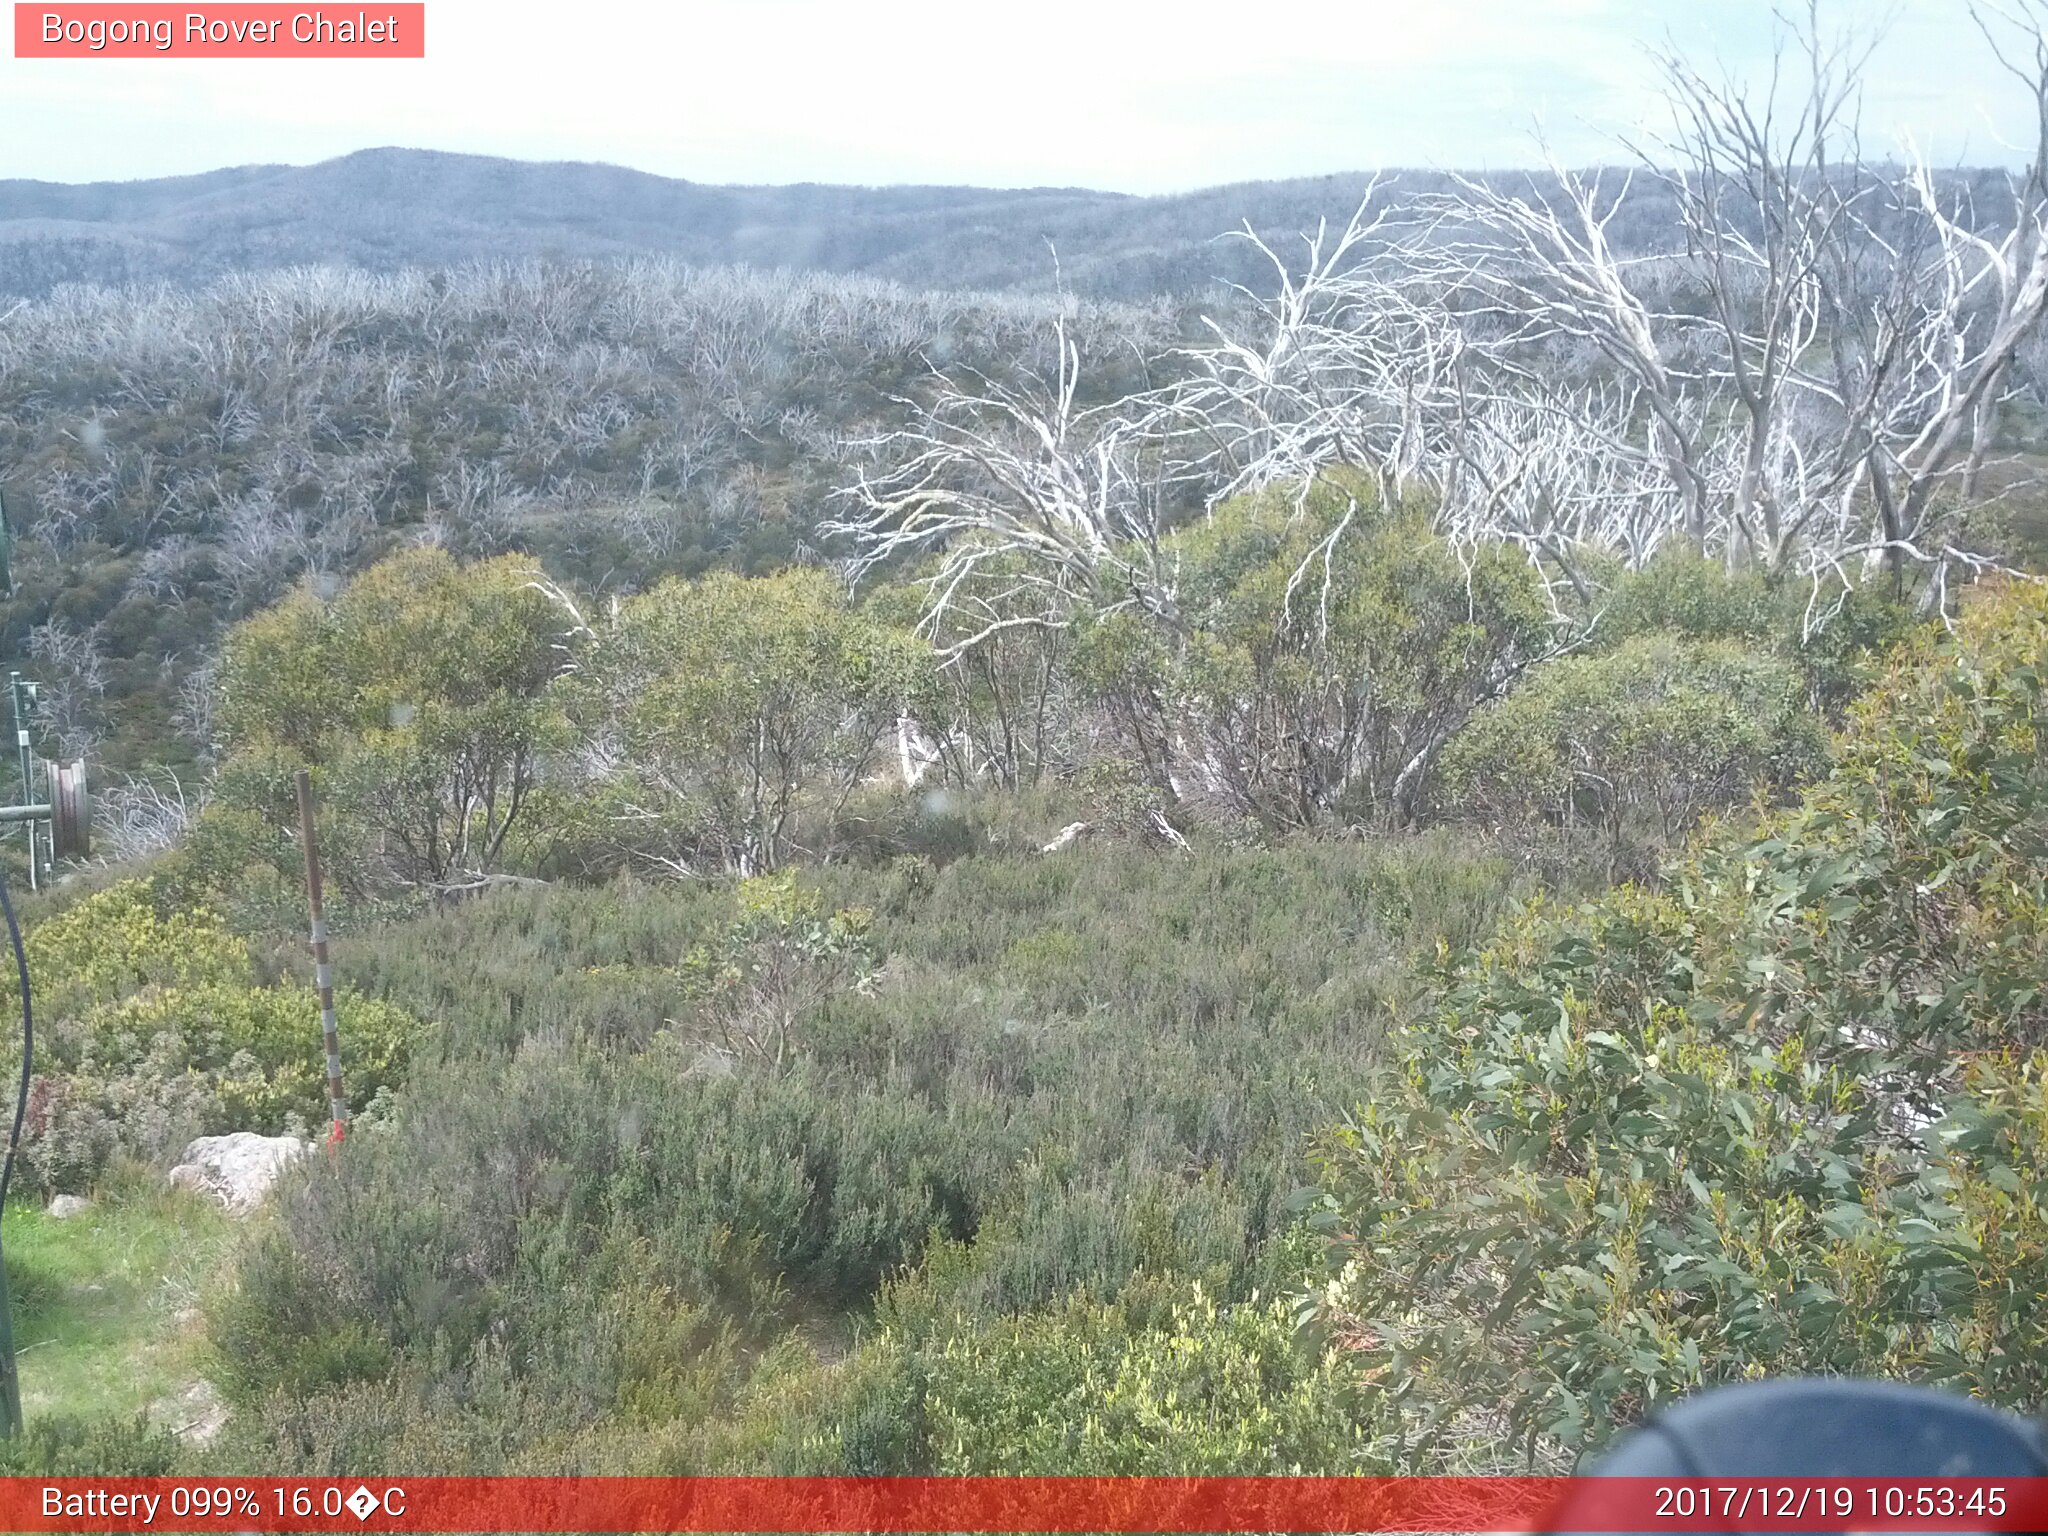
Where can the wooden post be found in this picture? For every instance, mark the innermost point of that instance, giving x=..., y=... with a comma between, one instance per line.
x=323, y=974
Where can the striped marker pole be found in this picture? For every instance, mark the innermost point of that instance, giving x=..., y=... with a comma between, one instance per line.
x=323, y=973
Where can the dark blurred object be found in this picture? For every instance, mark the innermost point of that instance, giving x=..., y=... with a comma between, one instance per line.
x=1824, y=1427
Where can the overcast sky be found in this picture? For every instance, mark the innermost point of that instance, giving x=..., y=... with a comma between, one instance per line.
x=1128, y=95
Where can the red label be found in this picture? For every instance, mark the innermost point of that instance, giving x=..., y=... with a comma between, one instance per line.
x=908, y=1506
x=229, y=31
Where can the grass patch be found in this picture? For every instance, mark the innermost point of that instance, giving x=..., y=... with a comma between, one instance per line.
x=105, y=1319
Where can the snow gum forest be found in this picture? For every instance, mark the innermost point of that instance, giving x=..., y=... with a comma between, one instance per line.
x=1372, y=845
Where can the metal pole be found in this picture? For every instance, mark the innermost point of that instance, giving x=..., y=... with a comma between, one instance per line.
x=19, y=694
x=10, y=1377
x=323, y=974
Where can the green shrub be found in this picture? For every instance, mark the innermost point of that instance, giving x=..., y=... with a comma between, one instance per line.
x=1209, y=1391
x=151, y=1031
x=743, y=710
x=117, y=942
x=1325, y=653
x=237, y=857
x=1078, y=1389
x=1654, y=733
x=778, y=961
x=259, y=1048
x=1003, y=711
x=1688, y=595
x=1789, y=1117
x=948, y=1142
x=419, y=698
x=1138, y=1242
x=74, y=1447
x=1836, y=637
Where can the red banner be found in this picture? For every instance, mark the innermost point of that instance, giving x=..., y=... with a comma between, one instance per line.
x=221, y=31
x=1050, y=1504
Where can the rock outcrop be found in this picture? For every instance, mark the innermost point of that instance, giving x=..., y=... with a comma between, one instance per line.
x=237, y=1169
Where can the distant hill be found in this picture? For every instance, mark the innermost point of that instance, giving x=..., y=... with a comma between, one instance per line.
x=387, y=208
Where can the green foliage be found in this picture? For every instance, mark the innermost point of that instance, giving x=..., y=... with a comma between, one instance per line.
x=1329, y=651
x=117, y=942
x=1658, y=728
x=1836, y=638
x=952, y=1138
x=1686, y=594
x=1906, y=891
x=70, y=1446
x=419, y=695
x=781, y=957
x=102, y=1316
x=1789, y=1117
x=151, y=1031
x=268, y=1038
x=1003, y=710
x=237, y=859
x=744, y=710
x=1085, y=1391
x=277, y=1332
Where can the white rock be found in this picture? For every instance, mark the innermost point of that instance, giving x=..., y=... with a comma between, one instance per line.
x=239, y=1168
x=64, y=1207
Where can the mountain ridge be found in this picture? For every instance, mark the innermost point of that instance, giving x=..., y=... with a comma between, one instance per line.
x=389, y=207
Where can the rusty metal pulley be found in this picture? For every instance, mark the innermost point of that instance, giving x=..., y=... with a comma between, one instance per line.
x=70, y=809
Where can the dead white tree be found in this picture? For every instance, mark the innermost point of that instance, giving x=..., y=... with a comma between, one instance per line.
x=1378, y=356
x=1805, y=375
x=1820, y=387
x=72, y=664
x=1340, y=365
x=982, y=475
x=140, y=817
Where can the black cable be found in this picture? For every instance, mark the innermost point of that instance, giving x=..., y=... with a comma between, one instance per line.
x=28, y=1042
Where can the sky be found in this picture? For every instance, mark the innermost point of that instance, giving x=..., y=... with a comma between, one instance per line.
x=1124, y=95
